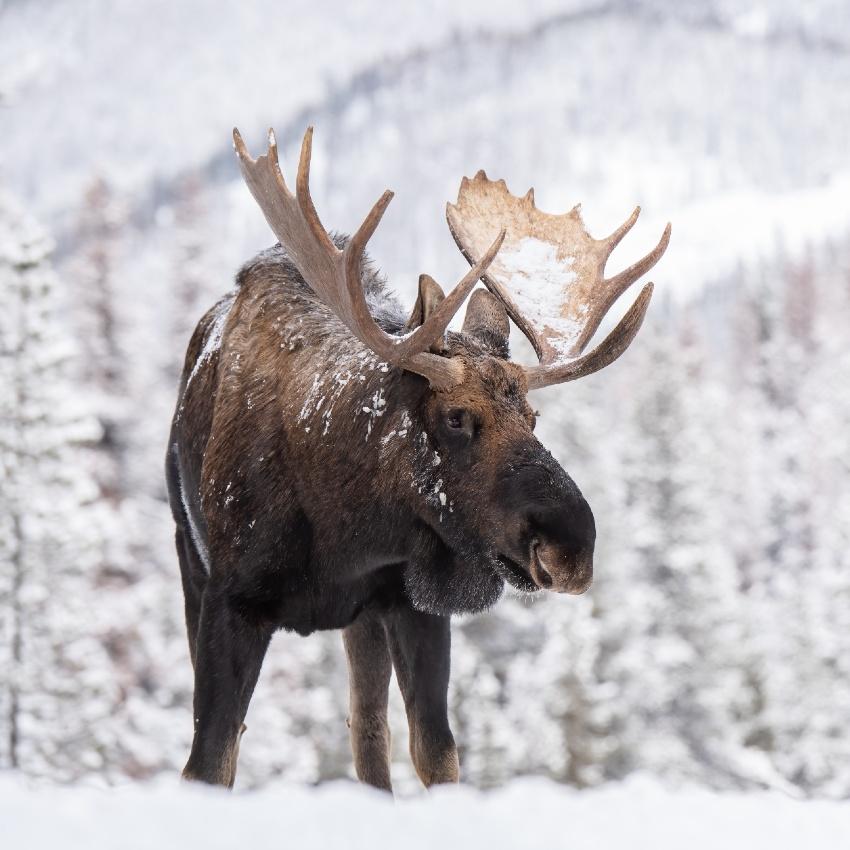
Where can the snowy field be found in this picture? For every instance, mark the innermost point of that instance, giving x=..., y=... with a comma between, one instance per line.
x=525, y=814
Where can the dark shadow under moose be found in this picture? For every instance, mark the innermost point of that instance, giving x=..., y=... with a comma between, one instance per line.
x=336, y=464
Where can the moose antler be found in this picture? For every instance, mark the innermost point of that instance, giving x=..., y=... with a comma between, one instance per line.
x=335, y=275
x=550, y=276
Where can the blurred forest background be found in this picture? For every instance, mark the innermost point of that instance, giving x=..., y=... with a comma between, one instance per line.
x=715, y=644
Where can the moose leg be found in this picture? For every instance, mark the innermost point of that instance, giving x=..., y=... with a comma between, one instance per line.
x=369, y=669
x=420, y=646
x=190, y=568
x=229, y=653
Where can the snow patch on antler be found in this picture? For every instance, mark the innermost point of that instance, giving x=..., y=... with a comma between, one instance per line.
x=537, y=279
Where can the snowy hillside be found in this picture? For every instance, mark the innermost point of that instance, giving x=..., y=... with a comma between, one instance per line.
x=528, y=815
x=711, y=115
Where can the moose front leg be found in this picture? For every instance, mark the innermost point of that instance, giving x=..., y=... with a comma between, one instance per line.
x=369, y=669
x=420, y=646
x=229, y=653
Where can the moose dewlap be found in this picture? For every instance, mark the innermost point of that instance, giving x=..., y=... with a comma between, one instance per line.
x=335, y=463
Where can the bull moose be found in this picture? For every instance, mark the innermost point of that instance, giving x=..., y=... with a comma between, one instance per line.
x=336, y=464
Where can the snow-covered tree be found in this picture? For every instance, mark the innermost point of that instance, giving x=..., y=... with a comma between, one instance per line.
x=98, y=319
x=798, y=578
x=58, y=694
x=192, y=280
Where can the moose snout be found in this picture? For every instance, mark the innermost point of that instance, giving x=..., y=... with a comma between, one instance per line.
x=553, y=533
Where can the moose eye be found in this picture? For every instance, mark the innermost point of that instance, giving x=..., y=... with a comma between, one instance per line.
x=454, y=420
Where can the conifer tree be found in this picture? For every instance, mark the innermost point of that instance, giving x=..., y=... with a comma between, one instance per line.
x=99, y=331
x=58, y=695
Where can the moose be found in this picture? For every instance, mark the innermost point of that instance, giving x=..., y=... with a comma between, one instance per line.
x=336, y=463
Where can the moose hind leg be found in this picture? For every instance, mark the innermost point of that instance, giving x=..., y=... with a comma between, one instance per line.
x=369, y=669
x=229, y=653
x=190, y=574
x=420, y=645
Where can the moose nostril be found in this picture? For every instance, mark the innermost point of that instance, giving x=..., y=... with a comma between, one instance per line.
x=540, y=573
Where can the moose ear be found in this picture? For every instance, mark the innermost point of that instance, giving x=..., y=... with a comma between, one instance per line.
x=429, y=298
x=487, y=321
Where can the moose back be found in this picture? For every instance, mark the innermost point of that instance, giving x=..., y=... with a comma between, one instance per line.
x=335, y=463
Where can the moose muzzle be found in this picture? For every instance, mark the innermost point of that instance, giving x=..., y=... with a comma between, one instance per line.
x=561, y=537
x=555, y=533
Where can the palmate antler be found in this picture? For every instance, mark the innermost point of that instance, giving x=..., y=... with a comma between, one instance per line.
x=550, y=276
x=335, y=275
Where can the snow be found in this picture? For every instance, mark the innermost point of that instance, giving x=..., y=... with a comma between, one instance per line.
x=375, y=410
x=212, y=341
x=528, y=814
x=197, y=537
x=349, y=364
x=538, y=280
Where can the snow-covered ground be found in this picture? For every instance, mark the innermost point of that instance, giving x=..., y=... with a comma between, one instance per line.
x=525, y=814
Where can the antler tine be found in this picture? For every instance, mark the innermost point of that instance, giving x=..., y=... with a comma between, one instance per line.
x=610, y=289
x=435, y=325
x=603, y=355
x=620, y=282
x=250, y=167
x=357, y=244
x=302, y=192
x=239, y=147
x=274, y=163
x=616, y=237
